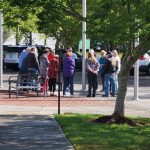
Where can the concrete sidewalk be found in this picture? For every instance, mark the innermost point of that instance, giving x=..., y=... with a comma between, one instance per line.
x=31, y=132
x=132, y=108
x=78, y=104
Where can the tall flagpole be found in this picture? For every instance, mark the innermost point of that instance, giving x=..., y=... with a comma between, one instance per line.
x=83, y=44
x=1, y=49
x=136, y=74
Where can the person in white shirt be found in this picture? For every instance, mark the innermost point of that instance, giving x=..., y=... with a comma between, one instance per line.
x=115, y=54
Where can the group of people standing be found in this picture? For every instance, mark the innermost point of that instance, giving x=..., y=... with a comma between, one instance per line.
x=47, y=66
x=108, y=66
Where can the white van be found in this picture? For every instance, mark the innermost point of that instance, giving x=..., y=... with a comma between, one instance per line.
x=12, y=52
x=11, y=55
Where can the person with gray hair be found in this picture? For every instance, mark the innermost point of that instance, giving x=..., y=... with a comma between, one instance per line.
x=22, y=58
x=32, y=62
x=44, y=63
x=115, y=54
x=110, y=76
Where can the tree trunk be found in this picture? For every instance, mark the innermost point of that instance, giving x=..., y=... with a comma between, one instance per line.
x=122, y=90
x=17, y=35
x=57, y=45
x=127, y=63
x=45, y=40
x=30, y=38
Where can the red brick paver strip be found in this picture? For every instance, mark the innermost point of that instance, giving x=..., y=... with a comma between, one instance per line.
x=34, y=101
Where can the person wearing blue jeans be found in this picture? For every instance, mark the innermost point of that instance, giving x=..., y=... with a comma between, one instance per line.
x=68, y=72
x=102, y=62
x=71, y=83
x=110, y=79
x=110, y=76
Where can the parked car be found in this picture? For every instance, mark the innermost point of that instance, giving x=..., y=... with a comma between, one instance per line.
x=144, y=64
x=78, y=60
x=12, y=52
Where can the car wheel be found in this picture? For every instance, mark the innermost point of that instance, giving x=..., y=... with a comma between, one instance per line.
x=148, y=70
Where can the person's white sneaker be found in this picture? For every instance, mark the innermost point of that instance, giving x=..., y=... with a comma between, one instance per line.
x=47, y=93
x=71, y=95
x=41, y=93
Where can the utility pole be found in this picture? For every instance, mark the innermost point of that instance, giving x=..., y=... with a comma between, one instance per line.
x=83, y=44
x=1, y=49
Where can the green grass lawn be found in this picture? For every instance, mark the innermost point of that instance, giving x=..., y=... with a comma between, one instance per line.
x=85, y=135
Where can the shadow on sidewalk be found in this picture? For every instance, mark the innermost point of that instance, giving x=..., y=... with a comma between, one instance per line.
x=29, y=132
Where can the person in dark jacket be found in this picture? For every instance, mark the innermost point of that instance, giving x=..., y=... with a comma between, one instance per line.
x=110, y=76
x=32, y=62
x=68, y=73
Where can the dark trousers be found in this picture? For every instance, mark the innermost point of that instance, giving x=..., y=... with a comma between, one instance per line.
x=92, y=81
x=52, y=84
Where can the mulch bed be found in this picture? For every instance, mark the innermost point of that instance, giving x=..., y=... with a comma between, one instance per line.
x=117, y=120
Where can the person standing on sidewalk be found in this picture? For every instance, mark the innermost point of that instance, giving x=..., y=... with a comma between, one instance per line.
x=53, y=72
x=44, y=62
x=102, y=62
x=32, y=62
x=74, y=56
x=22, y=59
x=68, y=72
x=92, y=67
x=115, y=54
x=110, y=76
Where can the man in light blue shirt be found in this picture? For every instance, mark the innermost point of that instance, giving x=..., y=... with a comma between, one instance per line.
x=22, y=57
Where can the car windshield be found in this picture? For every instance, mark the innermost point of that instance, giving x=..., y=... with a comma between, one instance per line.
x=15, y=49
